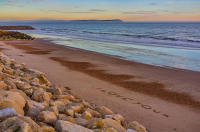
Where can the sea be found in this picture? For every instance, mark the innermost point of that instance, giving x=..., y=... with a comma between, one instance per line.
x=165, y=44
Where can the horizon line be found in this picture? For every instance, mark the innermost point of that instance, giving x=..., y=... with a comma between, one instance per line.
x=94, y=19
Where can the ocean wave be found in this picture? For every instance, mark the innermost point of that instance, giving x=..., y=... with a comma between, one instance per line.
x=145, y=36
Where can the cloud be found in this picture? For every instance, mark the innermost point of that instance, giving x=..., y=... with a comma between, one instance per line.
x=140, y=12
x=153, y=4
x=97, y=10
x=66, y=12
x=74, y=12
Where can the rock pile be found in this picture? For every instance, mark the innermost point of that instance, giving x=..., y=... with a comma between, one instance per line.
x=13, y=35
x=30, y=103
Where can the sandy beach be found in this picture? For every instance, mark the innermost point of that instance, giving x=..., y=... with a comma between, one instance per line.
x=163, y=99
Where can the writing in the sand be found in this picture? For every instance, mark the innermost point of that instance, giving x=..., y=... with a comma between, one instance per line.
x=132, y=101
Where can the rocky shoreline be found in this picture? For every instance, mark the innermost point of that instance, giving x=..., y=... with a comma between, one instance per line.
x=13, y=35
x=30, y=103
x=16, y=28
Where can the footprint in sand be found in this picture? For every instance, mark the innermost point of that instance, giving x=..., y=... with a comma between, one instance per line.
x=112, y=93
x=165, y=115
x=155, y=111
x=146, y=106
x=103, y=90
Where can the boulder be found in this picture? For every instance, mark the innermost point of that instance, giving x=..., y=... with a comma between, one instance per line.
x=95, y=123
x=116, y=117
x=61, y=116
x=47, y=117
x=87, y=115
x=7, y=112
x=69, y=118
x=131, y=130
x=65, y=126
x=69, y=112
x=8, y=70
x=75, y=107
x=14, y=100
x=43, y=80
x=93, y=113
x=19, y=124
x=46, y=128
x=33, y=108
x=13, y=124
x=40, y=95
x=10, y=84
x=35, y=82
x=29, y=92
x=104, y=110
x=137, y=126
x=110, y=123
x=59, y=104
x=3, y=85
x=110, y=130
x=54, y=90
x=81, y=121
x=68, y=97
x=54, y=109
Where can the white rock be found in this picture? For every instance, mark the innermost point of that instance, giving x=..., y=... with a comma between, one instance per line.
x=65, y=126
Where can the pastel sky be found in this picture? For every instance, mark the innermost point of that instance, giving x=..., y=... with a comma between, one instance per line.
x=129, y=10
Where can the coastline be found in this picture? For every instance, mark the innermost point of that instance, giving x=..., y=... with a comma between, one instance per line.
x=85, y=70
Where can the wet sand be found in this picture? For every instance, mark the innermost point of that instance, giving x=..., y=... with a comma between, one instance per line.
x=163, y=99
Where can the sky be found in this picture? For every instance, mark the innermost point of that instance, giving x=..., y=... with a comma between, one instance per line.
x=127, y=10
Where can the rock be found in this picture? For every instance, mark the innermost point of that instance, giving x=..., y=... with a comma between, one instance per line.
x=43, y=80
x=3, y=85
x=47, y=117
x=87, y=115
x=33, y=108
x=29, y=92
x=69, y=112
x=34, y=126
x=65, y=126
x=54, y=109
x=75, y=107
x=77, y=115
x=93, y=112
x=35, y=82
x=61, y=116
x=19, y=84
x=109, y=123
x=69, y=118
x=8, y=70
x=137, y=126
x=68, y=97
x=21, y=93
x=104, y=110
x=40, y=95
x=59, y=104
x=86, y=104
x=81, y=121
x=19, y=124
x=7, y=112
x=10, y=84
x=22, y=85
x=14, y=124
x=54, y=90
x=14, y=100
x=46, y=128
x=116, y=117
x=95, y=123
x=131, y=130
x=110, y=130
